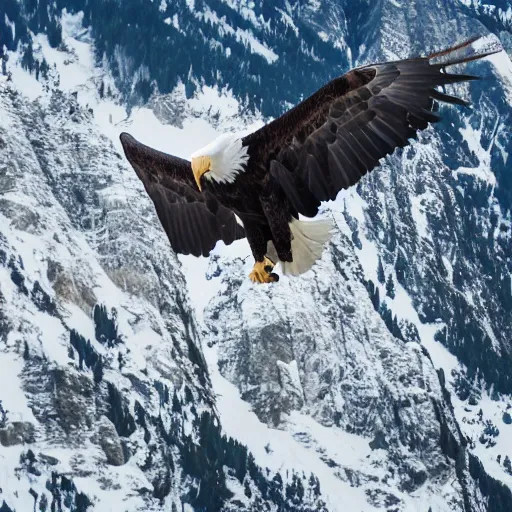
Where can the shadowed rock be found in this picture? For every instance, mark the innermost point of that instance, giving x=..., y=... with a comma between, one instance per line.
x=17, y=432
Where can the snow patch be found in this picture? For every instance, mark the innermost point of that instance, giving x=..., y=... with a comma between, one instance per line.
x=473, y=137
x=244, y=36
x=11, y=25
x=280, y=452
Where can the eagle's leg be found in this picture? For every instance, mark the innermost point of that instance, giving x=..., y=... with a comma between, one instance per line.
x=262, y=270
x=276, y=208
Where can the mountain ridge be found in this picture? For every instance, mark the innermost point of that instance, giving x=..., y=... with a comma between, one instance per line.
x=137, y=347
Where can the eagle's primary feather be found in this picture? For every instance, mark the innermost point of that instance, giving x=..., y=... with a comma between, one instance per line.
x=266, y=179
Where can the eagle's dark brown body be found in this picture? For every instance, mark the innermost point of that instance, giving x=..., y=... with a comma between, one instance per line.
x=324, y=144
x=261, y=206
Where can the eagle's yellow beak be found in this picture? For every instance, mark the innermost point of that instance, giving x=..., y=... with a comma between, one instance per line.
x=200, y=165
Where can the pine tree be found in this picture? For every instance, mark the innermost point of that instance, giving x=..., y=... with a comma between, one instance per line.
x=380, y=272
x=105, y=327
x=390, y=287
x=507, y=465
x=373, y=292
x=176, y=404
x=43, y=503
x=44, y=68
x=27, y=60
x=3, y=416
x=98, y=371
x=386, y=315
x=54, y=32
x=375, y=297
x=396, y=331
x=189, y=397
x=401, y=268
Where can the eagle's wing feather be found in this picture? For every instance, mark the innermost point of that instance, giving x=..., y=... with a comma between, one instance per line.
x=194, y=222
x=334, y=137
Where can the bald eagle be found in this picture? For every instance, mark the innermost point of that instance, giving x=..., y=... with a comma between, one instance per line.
x=255, y=186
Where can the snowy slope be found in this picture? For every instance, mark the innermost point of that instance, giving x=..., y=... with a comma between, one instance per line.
x=334, y=394
x=367, y=402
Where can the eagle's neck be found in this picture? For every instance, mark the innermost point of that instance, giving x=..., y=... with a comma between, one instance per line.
x=228, y=158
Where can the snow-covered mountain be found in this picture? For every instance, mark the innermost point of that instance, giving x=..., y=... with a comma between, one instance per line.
x=132, y=379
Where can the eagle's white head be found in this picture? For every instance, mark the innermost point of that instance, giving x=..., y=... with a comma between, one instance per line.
x=221, y=160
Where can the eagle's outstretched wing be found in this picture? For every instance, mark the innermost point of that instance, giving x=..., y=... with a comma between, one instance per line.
x=194, y=222
x=334, y=137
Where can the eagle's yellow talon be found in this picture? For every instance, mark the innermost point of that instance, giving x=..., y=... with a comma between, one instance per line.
x=262, y=272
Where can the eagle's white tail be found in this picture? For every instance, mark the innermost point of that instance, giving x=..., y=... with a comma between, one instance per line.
x=308, y=240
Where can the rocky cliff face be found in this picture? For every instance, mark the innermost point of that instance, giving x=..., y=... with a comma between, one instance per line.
x=328, y=355
x=378, y=381
x=106, y=398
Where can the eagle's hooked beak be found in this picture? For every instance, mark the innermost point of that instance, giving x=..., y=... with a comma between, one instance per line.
x=200, y=165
